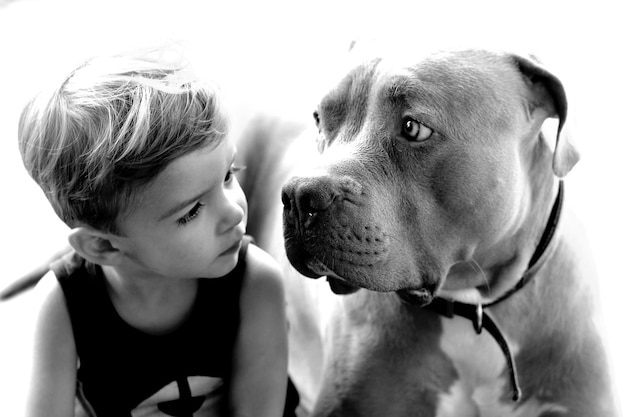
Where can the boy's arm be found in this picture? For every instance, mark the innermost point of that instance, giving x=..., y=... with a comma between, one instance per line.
x=52, y=385
x=259, y=379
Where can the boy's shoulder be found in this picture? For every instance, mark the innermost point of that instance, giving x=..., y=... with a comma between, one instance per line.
x=262, y=270
x=258, y=261
x=67, y=265
x=49, y=298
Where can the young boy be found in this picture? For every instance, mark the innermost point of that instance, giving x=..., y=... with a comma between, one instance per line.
x=162, y=307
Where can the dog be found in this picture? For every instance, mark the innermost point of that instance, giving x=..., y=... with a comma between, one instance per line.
x=428, y=195
x=436, y=209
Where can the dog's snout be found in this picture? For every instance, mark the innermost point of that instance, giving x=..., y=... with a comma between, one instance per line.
x=303, y=198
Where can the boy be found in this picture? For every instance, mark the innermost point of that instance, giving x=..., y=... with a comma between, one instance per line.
x=162, y=308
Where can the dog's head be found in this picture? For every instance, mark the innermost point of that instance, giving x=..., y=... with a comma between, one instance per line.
x=425, y=165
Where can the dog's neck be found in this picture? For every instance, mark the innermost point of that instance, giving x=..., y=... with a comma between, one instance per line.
x=475, y=283
x=471, y=303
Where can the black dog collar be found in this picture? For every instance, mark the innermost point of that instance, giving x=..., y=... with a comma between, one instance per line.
x=480, y=319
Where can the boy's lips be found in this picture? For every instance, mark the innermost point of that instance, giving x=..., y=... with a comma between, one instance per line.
x=234, y=248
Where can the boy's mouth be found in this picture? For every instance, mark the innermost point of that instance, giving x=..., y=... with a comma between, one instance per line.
x=233, y=249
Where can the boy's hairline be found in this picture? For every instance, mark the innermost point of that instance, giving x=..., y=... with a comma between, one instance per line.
x=128, y=204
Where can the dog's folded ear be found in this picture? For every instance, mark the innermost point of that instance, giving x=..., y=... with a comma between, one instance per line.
x=549, y=95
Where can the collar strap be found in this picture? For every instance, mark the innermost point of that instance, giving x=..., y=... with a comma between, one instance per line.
x=481, y=320
x=540, y=250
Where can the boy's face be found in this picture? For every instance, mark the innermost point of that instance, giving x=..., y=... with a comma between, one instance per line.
x=189, y=221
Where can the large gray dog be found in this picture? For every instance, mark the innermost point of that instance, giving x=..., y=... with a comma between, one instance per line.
x=437, y=192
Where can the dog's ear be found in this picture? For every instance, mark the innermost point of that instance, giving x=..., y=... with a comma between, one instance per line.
x=549, y=94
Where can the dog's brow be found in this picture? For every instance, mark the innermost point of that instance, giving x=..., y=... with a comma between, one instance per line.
x=397, y=91
x=331, y=104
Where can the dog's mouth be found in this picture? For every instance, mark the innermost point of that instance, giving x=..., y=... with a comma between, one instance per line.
x=417, y=297
x=337, y=284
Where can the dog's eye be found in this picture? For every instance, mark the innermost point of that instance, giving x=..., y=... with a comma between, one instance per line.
x=316, y=117
x=415, y=131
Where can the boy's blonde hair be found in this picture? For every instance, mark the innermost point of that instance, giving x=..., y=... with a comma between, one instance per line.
x=109, y=129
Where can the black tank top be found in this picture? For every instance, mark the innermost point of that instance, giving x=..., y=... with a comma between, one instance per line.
x=123, y=370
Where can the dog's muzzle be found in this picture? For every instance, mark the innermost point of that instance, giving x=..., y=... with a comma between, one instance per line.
x=327, y=231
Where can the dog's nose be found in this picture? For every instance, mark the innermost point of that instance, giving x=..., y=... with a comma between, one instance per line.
x=304, y=198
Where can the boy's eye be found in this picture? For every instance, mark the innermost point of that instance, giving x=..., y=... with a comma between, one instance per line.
x=233, y=170
x=193, y=213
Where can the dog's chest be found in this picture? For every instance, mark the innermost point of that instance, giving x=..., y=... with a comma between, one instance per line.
x=482, y=385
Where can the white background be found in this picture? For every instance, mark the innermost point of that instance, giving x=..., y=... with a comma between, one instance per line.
x=274, y=55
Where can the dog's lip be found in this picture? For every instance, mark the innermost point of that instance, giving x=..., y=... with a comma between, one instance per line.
x=319, y=268
x=340, y=286
x=337, y=284
x=416, y=296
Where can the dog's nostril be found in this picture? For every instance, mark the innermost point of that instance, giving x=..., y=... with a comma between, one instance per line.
x=303, y=198
x=308, y=205
x=313, y=198
x=286, y=200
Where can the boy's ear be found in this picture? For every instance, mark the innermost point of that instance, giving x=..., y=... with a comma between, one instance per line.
x=94, y=246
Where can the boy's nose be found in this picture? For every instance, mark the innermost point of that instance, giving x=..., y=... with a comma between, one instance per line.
x=232, y=215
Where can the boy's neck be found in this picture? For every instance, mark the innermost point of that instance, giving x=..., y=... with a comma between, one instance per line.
x=154, y=306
